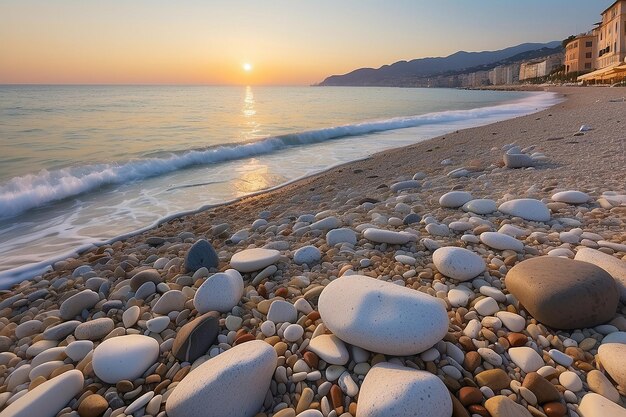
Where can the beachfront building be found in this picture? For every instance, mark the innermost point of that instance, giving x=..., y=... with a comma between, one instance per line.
x=539, y=68
x=504, y=75
x=580, y=53
x=610, y=53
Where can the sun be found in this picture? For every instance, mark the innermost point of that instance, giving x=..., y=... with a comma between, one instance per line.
x=247, y=67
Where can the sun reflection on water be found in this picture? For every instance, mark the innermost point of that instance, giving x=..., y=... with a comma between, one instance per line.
x=251, y=126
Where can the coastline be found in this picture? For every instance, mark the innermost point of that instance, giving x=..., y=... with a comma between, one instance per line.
x=359, y=195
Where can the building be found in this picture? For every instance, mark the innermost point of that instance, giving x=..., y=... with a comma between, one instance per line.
x=539, y=68
x=580, y=53
x=609, y=53
x=497, y=76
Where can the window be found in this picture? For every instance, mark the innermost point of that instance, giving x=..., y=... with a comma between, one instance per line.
x=614, y=46
x=588, y=44
x=588, y=55
x=588, y=65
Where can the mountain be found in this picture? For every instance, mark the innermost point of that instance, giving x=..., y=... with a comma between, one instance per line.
x=397, y=73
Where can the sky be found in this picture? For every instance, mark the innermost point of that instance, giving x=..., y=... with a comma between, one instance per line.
x=285, y=42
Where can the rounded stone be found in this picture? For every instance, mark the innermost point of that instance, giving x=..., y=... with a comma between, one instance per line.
x=255, y=259
x=518, y=160
x=391, y=390
x=93, y=406
x=480, y=206
x=196, y=337
x=74, y=305
x=496, y=379
x=571, y=381
x=234, y=383
x=94, y=329
x=501, y=241
x=387, y=236
x=458, y=263
x=564, y=293
x=293, y=332
x=158, y=324
x=124, y=357
x=600, y=384
x=611, y=264
x=48, y=398
x=173, y=300
x=502, y=406
x=382, y=317
x=281, y=311
x=343, y=235
x=454, y=199
x=330, y=348
x=594, y=405
x=141, y=277
x=543, y=389
x=526, y=358
x=201, y=254
x=571, y=197
x=220, y=292
x=307, y=255
x=612, y=356
x=526, y=208
x=78, y=349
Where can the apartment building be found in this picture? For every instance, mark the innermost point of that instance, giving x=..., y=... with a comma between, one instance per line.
x=580, y=53
x=539, y=68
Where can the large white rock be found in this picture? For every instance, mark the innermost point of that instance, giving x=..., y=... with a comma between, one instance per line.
x=454, y=199
x=391, y=390
x=595, y=405
x=250, y=260
x=612, y=356
x=233, y=383
x=124, y=357
x=382, y=317
x=220, y=292
x=501, y=241
x=480, y=206
x=526, y=208
x=526, y=358
x=47, y=399
x=614, y=266
x=387, y=236
x=571, y=197
x=458, y=263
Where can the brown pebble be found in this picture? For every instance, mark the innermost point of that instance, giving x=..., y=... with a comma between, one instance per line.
x=457, y=408
x=248, y=337
x=93, y=406
x=543, y=389
x=336, y=397
x=153, y=379
x=61, y=369
x=311, y=359
x=496, y=379
x=517, y=339
x=478, y=409
x=281, y=292
x=37, y=381
x=280, y=348
x=162, y=386
x=554, y=409
x=470, y=395
x=313, y=316
x=472, y=361
x=124, y=386
x=467, y=344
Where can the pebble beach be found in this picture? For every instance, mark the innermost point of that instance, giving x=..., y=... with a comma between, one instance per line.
x=482, y=273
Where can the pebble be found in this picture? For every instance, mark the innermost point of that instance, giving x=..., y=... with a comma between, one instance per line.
x=600, y=384
x=94, y=329
x=75, y=304
x=158, y=324
x=330, y=348
x=342, y=235
x=458, y=263
x=387, y=236
x=543, y=389
x=501, y=241
x=173, y=300
x=48, y=398
x=571, y=197
x=196, y=337
x=78, y=349
x=382, y=317
x=220, y=292
x=454, y=199
x=281, y=311
x=307, y=255
x=391, y=390
x=502, y=406
x=293, y=332
x=496, y=379
x=250, y=260
x=93, y=405
x=487, y=306
x=201, y=255
x=514, y=322
x=124, y=357
x=612, y=358
x=563, y=293
x=614, y=266
x=480, y=206
x=594, y=405
x=130, y=316
x=526, y=358
x=571, y=381
x=526, y=208
x=234, y=383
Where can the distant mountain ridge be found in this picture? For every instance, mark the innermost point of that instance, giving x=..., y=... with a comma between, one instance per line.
x=394, y=74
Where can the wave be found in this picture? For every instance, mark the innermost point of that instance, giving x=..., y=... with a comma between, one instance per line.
x=27, y=192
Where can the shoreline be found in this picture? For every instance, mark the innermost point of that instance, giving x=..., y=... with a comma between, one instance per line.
x=463, y=330
x=13, y=276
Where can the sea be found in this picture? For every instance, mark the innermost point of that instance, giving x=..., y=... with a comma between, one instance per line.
x=85, y=165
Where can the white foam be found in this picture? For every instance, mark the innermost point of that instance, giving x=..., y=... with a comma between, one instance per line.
x=30, y=191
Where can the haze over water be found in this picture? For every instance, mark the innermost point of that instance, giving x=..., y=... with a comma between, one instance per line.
x=84, y=164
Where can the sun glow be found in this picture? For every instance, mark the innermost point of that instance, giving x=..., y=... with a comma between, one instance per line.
x=247, y=67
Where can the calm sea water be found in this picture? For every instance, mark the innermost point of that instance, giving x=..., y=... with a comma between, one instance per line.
x=82, y=164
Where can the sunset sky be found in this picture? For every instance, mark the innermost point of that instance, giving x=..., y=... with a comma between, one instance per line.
x=285, y=42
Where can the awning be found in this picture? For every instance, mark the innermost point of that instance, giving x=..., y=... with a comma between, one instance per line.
x=604, y=73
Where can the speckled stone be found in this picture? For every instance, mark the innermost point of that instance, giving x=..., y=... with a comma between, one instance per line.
x=196, y=337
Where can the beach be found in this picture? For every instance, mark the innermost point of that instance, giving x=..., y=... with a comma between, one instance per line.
x=323, y=297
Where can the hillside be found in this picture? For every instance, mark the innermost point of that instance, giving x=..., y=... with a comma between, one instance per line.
x=396, y=74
